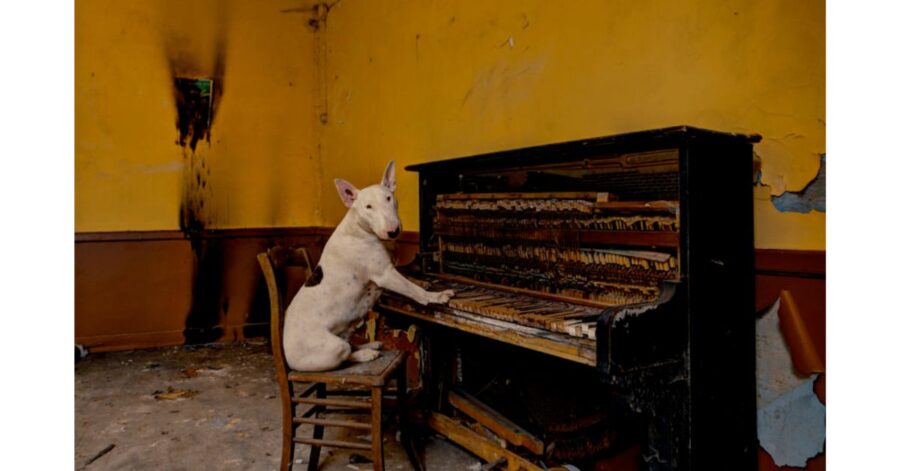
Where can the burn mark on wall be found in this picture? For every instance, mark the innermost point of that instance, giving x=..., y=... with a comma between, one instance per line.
x=189, y=69
x=193, y=102
x=810, y=198
x=195, y=214
x=203, y=320
x=197, y=101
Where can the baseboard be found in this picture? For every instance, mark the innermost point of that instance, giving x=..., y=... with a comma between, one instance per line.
x=131, y=341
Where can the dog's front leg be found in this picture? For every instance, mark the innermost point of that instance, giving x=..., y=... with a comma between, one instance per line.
x=392, y=280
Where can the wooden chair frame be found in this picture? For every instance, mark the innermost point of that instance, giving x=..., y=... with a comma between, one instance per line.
x=315, y=394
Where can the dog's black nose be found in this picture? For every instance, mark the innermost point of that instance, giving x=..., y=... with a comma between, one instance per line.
x=393, y=234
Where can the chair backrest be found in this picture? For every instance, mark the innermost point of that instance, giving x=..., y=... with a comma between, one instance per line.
x=273, y=263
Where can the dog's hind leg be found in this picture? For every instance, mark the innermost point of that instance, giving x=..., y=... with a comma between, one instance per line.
x=327, y=354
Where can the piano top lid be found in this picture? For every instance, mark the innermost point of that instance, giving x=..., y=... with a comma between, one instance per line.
x=573, y=150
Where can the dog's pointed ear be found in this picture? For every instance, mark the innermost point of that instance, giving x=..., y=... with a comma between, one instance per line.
x=347, y=191
x=389, y=180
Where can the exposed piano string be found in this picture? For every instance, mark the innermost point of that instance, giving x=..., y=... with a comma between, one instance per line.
x=536, y=242
x=460, y=216
x=653, y=265
x=575, y=287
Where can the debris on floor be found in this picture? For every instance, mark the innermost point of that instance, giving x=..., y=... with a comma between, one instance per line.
x=356, y=458
x=100, y=454
x=189, y=372
x=203, y=407
x=172, y=394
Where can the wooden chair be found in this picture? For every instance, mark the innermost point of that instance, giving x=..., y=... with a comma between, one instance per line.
x=296, y=388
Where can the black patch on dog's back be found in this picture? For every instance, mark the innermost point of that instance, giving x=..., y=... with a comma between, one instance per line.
x=316, y=278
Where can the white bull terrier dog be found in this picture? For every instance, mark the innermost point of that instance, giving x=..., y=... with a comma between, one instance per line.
x=355, y=267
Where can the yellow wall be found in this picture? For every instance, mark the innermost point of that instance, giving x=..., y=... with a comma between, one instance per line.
x=262, y=163
x=423, y=80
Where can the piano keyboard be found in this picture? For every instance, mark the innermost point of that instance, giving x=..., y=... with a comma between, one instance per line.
x=515, y=308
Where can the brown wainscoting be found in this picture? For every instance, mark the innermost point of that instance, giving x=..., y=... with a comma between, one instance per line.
x=132, y=294
x=801, y=272
x=793, y=263
x=161, y=288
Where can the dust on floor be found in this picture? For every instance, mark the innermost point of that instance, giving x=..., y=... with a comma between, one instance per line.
x=205, y=407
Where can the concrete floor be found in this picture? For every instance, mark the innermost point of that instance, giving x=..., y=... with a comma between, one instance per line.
x=195, y=408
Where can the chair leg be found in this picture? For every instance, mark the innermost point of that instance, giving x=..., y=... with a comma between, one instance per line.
x=318, y=432
x=287, y=430
x=377, y=442
x=406, y=437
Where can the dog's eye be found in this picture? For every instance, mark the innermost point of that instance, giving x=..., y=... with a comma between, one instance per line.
x=368, y=206
x=389, y=198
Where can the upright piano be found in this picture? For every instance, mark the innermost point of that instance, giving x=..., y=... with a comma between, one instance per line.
x=631, y=255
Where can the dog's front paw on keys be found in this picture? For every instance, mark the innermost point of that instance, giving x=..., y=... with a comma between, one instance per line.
x=364, y=355
x=440, y=297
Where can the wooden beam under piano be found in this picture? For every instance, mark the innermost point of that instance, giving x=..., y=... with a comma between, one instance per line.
x=503, y=427
x=477, y=444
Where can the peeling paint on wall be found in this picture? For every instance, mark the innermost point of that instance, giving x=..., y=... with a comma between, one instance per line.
x=790, y=418
x=810, y=198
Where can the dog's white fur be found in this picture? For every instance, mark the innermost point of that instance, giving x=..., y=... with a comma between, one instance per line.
x=355, y=268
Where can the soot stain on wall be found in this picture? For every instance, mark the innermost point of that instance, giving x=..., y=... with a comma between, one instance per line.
x=197, y=101
x=202, y=324
x=193, y=100
x=207, y=300
x=184, y=69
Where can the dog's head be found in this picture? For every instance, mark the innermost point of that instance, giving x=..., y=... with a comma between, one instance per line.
x=375, y=206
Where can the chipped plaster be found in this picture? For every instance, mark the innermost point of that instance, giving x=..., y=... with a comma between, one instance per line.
x=790, y=418
x=810, y=198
